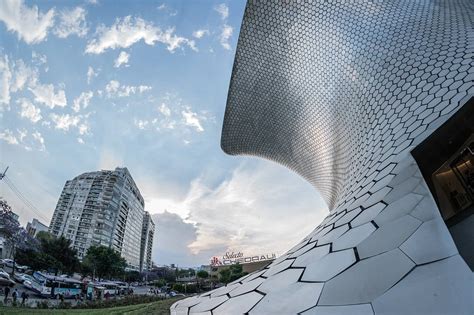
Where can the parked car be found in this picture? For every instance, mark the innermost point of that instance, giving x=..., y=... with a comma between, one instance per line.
x=31, y=284
x=8, y=262
x=21, y=268
x=19, y=277
x=175, y=294
x=5, y=279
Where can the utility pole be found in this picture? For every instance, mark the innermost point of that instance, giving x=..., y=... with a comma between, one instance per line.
x=2, y=175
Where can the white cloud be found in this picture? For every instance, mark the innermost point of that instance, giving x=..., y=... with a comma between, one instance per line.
x=255, y=193
x=29, y=111
x=30, y=24
x=141, y=124
x=165, y=110
x=163, y=7
x=191, y=119
x=84, y=128
x=7, y=135
x=44, y=93
x=225, y=35
x=223, y=10
x=65, y=121
x=5, y=81
x=38, y=58
x=115, y=89
x=91, y=73
x=122, y=59
x=82, y=100
x=24, y=76
x=80, y=140
x=128, y=31
x=200, y=33
x=72, y=22
x=21, y=138
x=39, y=138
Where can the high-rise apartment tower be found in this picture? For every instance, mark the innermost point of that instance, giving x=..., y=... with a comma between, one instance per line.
x=102, y=208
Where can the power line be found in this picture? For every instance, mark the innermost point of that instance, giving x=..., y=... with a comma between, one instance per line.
x=19, y=194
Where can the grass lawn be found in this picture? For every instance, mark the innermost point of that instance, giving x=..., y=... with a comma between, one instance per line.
x=159, y=307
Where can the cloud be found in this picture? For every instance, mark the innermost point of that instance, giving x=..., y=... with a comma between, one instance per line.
x=200, y=33
x=109, y=160
x=163, y=7
x=122, y=59
x=223, y=10
x=24, y=76
x=30, y=24
x=91, y=73
x=260, y=208
x=5, y=81
x=191, y=119
x=82, y=100
x=21, y=138
x=44, y=93
x=8, y=136
x=115, y=89
x=66, y=122
x=141, y=124
x=172, y=239
x=72, y=22
x=29, y=111
x=37, y=136
x=128, y=31
x=225, y=35
x=226, y=30
x=38, y=58
x=165, y=110
x=175, y=114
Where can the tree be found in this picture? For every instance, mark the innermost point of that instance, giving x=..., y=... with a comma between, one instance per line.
x=60, y=249
x=231, y=273
x=51, y=253
x=101, y=261
x=16, y=238
x=132, y=276
x=201, y=275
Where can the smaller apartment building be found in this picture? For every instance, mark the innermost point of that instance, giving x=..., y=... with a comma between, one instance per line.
x=102, y=208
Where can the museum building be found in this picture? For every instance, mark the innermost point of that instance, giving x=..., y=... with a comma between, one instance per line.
x=372, y=103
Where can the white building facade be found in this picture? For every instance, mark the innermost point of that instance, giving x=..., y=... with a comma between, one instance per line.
x=102, y=208
x=365, y=100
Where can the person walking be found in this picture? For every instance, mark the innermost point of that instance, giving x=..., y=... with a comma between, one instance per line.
x=7, y=292
x=24, y=297
x=15, y=295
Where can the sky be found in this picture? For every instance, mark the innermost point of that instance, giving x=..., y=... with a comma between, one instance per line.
x=91, y=85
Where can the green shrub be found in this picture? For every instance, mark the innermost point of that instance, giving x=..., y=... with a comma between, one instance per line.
x=43, y=305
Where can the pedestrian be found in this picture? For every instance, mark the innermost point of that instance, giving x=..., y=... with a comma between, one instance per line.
x=7, y=292
x=24, y=297
x=15, y=295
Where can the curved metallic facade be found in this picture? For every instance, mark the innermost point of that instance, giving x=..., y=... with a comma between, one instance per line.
x=341, y=92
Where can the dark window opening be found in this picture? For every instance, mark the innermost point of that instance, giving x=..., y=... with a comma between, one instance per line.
x=446, y=160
